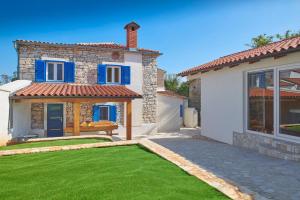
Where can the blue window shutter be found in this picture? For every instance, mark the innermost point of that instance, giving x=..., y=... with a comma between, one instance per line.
x=96, y=113
x=125, y=75
x=69, y=72
x=101, y=74
x=181, y=110
x=113, y=113
x=40, y=71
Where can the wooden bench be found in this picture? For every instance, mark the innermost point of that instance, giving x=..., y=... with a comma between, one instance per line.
x=106, y=126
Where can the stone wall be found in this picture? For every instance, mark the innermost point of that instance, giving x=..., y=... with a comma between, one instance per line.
x=37, y=116
x=160, y=78
x=86, y=59
x=268, y=145
x=195, y=96
x=149, y=89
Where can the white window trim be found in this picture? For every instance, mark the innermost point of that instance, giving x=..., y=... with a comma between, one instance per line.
x=276, y=109
x=113, y=74
x=107, y=106
x=55, y=71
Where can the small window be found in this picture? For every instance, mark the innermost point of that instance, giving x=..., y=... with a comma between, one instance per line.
x=113, y=74
x=55, y=71
x=104, y=113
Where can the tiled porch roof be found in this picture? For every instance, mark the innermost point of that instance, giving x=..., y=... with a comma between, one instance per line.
x=36, y=90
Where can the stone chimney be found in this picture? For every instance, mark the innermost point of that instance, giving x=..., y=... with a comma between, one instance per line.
x=131, y=37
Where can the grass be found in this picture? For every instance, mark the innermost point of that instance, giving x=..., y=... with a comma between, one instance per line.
x=295, y=128
x=54, y=143
x=124, y=172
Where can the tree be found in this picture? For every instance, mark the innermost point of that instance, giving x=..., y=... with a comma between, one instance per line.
x=173, y=83
x=264, y=39
x=260, y=40
x=288, y=34
x=4, y=78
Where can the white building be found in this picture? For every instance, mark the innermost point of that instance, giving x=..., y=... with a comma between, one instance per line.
x=252, y=98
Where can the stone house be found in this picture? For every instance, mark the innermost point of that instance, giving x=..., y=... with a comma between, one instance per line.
x=99, y=81
x=252, y=98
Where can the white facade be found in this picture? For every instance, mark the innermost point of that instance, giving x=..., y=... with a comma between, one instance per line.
x=223, y=97
x=4, y=117
x=134, y=60
x=168, y=113
x=5, y=91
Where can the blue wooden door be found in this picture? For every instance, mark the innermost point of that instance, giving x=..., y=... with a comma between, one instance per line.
x=55, y=120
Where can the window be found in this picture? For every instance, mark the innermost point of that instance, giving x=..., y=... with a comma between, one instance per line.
x=55, y=71
x=289, y=102
x=261, y=101
x=104, y=113
x=113, y=75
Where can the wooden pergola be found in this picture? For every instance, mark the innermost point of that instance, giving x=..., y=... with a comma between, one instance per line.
x=80, y=94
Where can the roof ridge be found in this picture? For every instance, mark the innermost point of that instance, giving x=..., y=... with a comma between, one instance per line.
x=272, y=43
x=242, y=56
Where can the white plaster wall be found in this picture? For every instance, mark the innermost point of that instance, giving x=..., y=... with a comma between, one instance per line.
x=4, y=116
x=222, y=96
x=168, y=113
x=21, y=119
x=134, y=60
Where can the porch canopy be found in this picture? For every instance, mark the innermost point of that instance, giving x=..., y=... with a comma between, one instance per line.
x=77, y=94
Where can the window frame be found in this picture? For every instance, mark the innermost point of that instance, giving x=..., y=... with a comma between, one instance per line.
x=276, y=109
x=108, y=112
x=113, y=68
x=281, y=135
x=55, y=71
x=246, y=107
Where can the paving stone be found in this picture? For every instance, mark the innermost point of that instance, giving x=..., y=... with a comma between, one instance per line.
x=265, y=177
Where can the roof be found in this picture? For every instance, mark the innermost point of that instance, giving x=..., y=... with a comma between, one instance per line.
x=295, y=81
x=259, y=92
x=171, y=94
x=108, y=45
x=36, y=90
x=278, y=48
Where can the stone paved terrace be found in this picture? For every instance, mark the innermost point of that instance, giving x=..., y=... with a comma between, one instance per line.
x=263, y=176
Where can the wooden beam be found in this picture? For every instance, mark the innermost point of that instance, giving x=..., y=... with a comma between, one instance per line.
x=129, y=120
x=76, y=118
x=72, y=100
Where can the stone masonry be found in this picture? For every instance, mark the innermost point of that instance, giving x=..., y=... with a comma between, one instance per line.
x=86, y=60
x=149, y=89
x=267, y=145
x=37, y=116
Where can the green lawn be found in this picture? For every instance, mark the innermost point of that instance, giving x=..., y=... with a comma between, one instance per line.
x=295, y=128
x=124, y=172
x=54, y=143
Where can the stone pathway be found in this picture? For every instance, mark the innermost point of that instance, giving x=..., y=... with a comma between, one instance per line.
x=265, y=177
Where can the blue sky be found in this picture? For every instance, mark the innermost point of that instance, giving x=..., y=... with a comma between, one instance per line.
x=187, y=32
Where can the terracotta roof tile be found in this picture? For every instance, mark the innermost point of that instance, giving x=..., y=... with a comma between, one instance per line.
x=109, y=45
x=273, y=49
x=171, y=93
x=75, y=90
x=262, y=92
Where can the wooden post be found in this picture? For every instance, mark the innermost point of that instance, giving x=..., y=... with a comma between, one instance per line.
x=128, y=120
x=76, y=118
